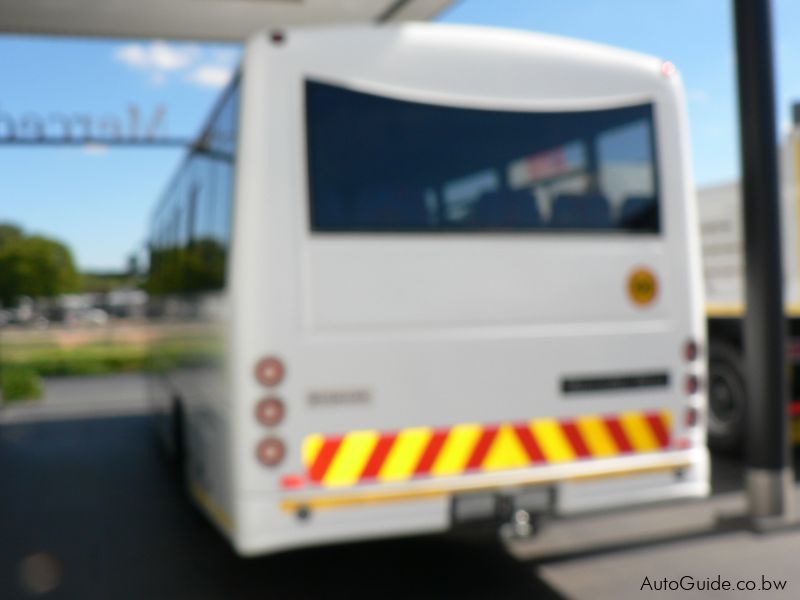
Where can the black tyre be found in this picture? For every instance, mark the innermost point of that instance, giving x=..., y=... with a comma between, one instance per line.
x=727, y=398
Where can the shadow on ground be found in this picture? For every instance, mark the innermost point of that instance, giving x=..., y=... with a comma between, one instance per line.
x=89, y=509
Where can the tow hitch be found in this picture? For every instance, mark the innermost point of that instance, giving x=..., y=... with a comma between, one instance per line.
x=513, y=513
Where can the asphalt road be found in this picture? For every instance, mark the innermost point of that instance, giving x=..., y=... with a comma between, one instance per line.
x=90, y=510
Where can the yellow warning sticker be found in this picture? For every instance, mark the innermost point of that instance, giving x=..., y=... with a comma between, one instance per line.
x=642, y=286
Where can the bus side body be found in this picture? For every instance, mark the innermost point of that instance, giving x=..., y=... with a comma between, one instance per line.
x=190, y=312
x=464, y=262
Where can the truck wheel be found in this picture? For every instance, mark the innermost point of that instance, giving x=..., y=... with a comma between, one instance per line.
x=727, y=398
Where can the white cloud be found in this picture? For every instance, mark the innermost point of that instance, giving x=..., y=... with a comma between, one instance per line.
x=157, y=58
x=134, y=55
x=157, y=55
x=213, y=76
x=209, y=67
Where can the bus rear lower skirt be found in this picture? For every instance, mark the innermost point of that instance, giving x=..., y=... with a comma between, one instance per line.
x=366, y=497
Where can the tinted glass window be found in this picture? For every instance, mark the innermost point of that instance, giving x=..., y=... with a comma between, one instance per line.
x=379, y=164
x=191, y=226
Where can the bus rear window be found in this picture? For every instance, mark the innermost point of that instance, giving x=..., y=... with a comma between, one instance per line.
x=378, y=164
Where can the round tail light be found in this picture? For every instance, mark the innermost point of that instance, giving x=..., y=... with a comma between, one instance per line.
x=692, y=416
x=270, y=411
x=691, y=351
x=270, y=371
x=270, y=451
x=692, y=384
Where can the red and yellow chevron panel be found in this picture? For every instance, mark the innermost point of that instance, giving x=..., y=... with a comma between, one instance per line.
x=372, y=456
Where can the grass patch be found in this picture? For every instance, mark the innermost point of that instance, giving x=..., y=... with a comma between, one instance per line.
x=46, y=357
x=99, y=359
x=20, y=383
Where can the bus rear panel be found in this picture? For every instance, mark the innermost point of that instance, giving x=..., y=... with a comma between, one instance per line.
x=463, y=287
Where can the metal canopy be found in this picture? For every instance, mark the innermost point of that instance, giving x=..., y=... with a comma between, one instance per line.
x=221, y=20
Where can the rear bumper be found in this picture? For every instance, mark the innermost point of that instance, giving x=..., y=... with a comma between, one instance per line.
x=271, y=522
x=424, y=490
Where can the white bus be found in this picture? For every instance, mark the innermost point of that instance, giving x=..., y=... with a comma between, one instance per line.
x=421, y=277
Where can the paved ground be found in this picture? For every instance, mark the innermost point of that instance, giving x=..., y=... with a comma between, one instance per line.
x=734, y=555
x=609, y=556
x=81, y=397
x=89, y=510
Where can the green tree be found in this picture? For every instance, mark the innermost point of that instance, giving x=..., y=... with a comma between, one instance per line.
x=9, y=233
x=33, y=266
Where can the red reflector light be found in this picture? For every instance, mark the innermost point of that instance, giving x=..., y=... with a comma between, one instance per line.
x=684, y=444
x=270, y=411
x=271, y=451
x=692, y=384
x=690, y=351
x=293, y=482
x=692, y=416
x=668, y=69
x=270, y=371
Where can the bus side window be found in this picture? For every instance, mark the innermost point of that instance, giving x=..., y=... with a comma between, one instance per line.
x=193, y=220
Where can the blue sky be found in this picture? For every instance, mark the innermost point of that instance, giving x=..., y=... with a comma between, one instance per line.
x=98, y=200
